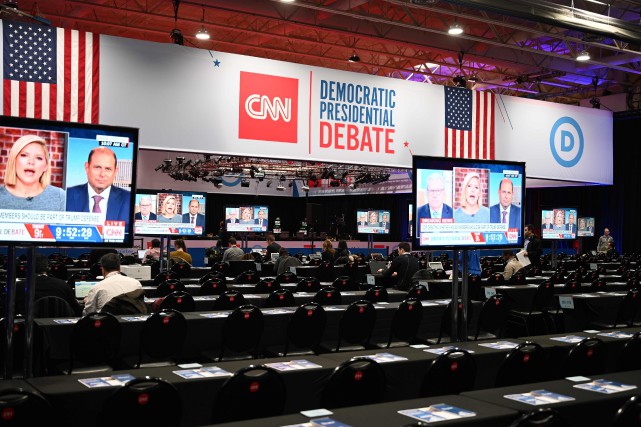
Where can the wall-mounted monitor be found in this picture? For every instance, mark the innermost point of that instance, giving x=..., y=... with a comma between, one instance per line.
x=247, y=218
x=372, y=221
x=586, y=226
x=170, y=213
x=467, y=203
x=66, y=184
x=559, y=223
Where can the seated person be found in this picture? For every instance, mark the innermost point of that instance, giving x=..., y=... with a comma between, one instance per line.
x=113, y=285
x=153, y=252
x=180, y=251
x=286, y=261
x=233, y=253
x=513, y=265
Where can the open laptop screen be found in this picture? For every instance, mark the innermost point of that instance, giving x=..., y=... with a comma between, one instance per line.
x=83, y=288
x=435, y=265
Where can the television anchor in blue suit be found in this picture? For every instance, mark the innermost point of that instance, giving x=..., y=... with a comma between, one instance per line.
x=194, y=206
x=506, y=194
x=98, y=195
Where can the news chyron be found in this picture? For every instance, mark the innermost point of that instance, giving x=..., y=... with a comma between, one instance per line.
x=67, y=184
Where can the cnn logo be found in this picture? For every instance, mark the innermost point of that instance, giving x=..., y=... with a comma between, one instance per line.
x=268, y=108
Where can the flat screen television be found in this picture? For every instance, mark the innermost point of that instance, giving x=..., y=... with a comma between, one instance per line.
x=67, y=184
x=467, y=203
x=247, y=218
x=372, y=221
x=559, y=223
x=586, y=226
x=170, y=213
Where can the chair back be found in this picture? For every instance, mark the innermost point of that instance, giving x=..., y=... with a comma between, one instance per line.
x=630, y=357
x=181, y=267
x=439, y=273
x=543, y=297
x=242, y=330
x=163, y=276
x=169, y=286
x=518, y=278
x=599, y=285
x=357, y=323
x=496, y=279
x=525, y=363
x=377, y=294
x=628, y=308
x=20, y=407
x=629, y=414
x=418, y=291
x=345, y=284
x=325, y=272
x=406, y=321
x=250, y=277
x=287, y=277
x=96, y=270
x=557, y=277
x=229, y=300
x=78, y=277
x=280, y=298
x=493, y=316
x=180, y=301
x=252, y=392
x=58, y=270
x=222, y=268
x=586, y=358
x=328, y=295
x=308, y=284
x=351, y=270
x=213, y=285
x=446, y=319
x=544, y=417
x=143, y=401
x=452, y=372
x=572, y=286
x=95, y=339
x=359, y=381
x=306, y=327
x=212, y=275
x=52, y=306
x=266, y=286
x=163, y=335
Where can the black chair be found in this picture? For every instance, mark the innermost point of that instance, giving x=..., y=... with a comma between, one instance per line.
x=590, y=276
x=229, y=300
x=630, y=357
x=182, y=268
x=222, y=268
x=325, y=272
x=252, y=392
x=212, y=275
x=544, y=417
x=328, y=295
x=539, y=309
x=280, y=298
x=626, y=312
x=308, y=284
x=266, y=286
x=419, y=292
x=492, y=317
x=169, y=286
x=518, y=278
x=475, y=290
x=487, y=272
x=359, y=381
x=52, y=306
x=525, y=363
x=495, y=279
x=571, y=286
x=629, y=414
x=162, y=337
x=95, y=341
x=58, y=270
x=286, y=277
x=18, y=344
x=452, y=372
x=242, y=331
x=96, y=270
x=377, y=294
x=439, y=273
x=247, y=277
x=557, y=278
x=351, y=270
x=599, y=285
x=20, y=407
x=80, y=276
x=239, y=266
x=587, y=358
x=163, y=276
x=213, y=286
x=345, y=284
x=178, y=300
x=405, y=323
x=305, y=330
x=446, y=319
x=356, y=324
x=143, y=401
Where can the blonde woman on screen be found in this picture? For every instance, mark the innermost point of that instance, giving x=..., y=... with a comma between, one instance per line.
x=169, y=211
x=27, y=180
x=471, y=208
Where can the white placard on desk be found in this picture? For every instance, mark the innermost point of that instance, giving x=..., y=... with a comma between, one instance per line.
x=489, y=292
x=566, y=302
x=371, y=280
x=425, y=283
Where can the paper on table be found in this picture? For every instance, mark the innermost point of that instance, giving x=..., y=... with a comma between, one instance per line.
x=523, y=259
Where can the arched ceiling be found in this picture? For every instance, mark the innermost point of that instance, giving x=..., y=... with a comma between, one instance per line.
x=517, y=47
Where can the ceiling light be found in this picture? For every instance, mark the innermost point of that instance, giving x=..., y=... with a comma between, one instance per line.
x=280, y=187
x=354, y=57
x=455, y=29
x=202, y=34
x=583, y=56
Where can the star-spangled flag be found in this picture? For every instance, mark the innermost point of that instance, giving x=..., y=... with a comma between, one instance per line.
x=50, y=73
x=469, y=123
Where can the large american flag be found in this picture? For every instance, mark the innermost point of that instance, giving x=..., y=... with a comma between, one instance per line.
x=469, y=123
x=50, y=73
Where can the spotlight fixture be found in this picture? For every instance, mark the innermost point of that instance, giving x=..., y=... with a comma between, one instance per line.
x=202, y=34
x=583, y=56
x=455, y=29
x=305, y=188
x=334, y=183
x=280, y=187
x=269, y=183
x=596, y=103
x=459, y=81
x=177, y=36
x=217, y=182
x=354, y=57
x=244, y=182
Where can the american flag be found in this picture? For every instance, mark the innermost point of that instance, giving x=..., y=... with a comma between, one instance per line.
x=50, y=73
x=469, y=123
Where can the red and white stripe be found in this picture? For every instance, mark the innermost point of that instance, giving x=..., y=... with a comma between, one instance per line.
x=479, y=142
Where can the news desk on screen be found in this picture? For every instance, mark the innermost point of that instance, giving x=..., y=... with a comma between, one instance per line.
x=372, y=221
x=246, y=218
x=67, y=184
x=170, y=213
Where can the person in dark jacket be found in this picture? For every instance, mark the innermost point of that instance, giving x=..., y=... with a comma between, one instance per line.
x=402, y=268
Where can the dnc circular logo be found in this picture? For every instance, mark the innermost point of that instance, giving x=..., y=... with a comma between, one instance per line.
x=566, y=142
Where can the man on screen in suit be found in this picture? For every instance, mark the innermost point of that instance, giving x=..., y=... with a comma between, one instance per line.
x=571, y=225
x=435, y=208
x=98, y=195
x=193, y=217
x=362, y=220
x=233, y=217
x=261, y=220
x=145, y=213
x=505, y=212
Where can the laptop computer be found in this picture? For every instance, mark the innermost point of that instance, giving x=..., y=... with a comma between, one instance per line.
x=141, y=253
x=377, y=256
x=274, y=257
x=83, y=288
x=435, y=265
x=374, y=266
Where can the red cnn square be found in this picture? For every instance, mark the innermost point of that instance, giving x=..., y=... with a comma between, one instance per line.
x=268, y=108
